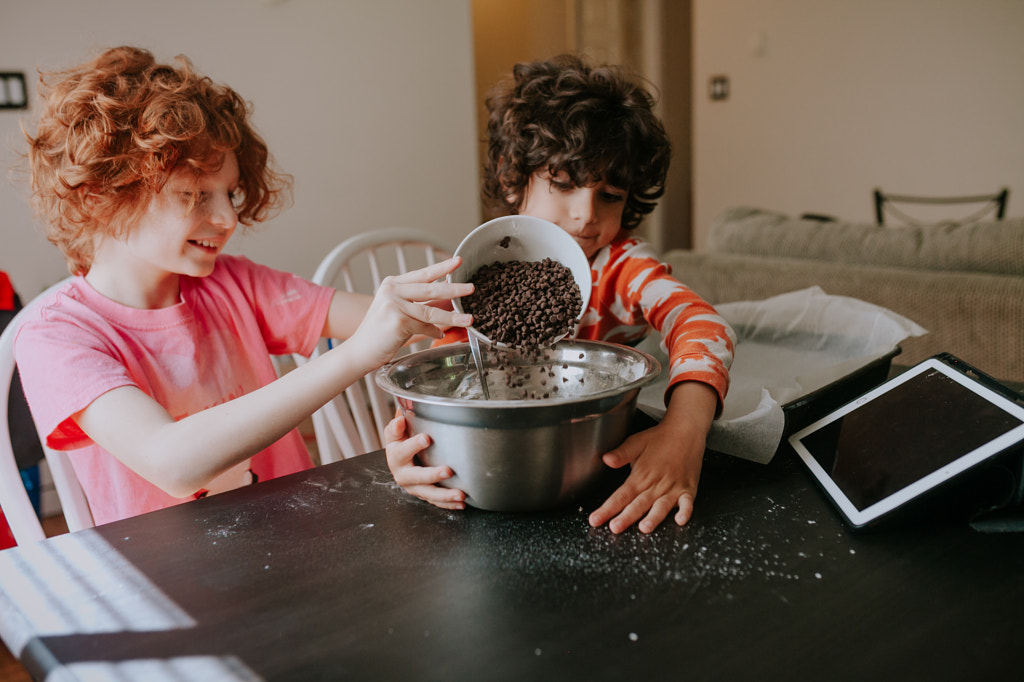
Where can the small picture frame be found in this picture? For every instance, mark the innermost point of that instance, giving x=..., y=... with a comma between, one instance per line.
x=13, y=93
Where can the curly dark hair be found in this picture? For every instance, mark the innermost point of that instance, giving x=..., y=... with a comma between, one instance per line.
x=113, y=129
x=563, y=115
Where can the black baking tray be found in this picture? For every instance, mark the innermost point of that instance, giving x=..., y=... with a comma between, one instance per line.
x=813, y=406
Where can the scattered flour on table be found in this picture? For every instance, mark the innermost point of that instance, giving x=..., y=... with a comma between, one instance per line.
x=708, y=552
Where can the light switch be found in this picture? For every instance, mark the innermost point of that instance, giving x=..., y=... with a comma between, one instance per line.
x=718, y=88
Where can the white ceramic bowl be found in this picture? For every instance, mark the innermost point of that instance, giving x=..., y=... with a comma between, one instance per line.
x=520, y=238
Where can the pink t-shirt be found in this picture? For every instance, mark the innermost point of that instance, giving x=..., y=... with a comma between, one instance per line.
x=212, y=347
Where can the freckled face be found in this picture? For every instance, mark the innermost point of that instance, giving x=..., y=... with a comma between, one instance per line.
x=590, y=215
x=177, y=240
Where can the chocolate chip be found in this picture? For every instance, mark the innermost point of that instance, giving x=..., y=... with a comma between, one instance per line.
x=524, y=304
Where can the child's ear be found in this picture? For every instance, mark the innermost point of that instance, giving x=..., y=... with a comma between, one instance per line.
x=512, y=196
x=87, y=197
x=91, y=204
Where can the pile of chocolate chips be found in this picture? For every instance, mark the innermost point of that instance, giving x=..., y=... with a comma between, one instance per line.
x=523, y=304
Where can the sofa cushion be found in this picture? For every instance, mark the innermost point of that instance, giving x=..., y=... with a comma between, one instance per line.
x=978, y=317
x=994, y=247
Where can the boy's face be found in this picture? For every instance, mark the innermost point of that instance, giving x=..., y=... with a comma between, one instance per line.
x=172, y=239
x=591, y=215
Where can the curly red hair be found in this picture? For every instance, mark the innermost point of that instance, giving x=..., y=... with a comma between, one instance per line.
x=113, y=129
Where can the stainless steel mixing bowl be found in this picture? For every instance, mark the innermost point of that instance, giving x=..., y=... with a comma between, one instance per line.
x=531, y=446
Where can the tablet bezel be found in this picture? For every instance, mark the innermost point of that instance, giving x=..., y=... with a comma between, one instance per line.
x=861, y=517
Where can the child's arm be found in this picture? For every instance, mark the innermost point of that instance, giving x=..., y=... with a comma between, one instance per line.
x=665, y=463
x=347, y=310
x=666, y=459
x=182, y=456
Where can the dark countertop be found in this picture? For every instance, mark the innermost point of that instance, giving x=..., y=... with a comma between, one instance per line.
x=336, y=573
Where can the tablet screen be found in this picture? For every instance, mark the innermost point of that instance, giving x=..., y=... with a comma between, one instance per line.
x=905, y=437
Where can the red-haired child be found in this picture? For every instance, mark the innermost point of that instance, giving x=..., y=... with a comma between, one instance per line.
x=153, y=362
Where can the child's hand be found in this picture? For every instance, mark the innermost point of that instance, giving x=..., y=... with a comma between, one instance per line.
x=406, y=306
x=418, y=480
x=666, y=461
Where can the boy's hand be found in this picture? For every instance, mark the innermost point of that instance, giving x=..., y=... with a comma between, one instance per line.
x=418, y=480
x=665, y=461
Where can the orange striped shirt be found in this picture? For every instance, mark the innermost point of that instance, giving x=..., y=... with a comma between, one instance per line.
x=635, y=292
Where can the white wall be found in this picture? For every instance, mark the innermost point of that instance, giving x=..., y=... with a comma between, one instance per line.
x=914, y=96
x=369, y=104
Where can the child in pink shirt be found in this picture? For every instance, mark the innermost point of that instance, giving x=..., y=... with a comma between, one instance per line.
x=153, y=363
x=580, y=146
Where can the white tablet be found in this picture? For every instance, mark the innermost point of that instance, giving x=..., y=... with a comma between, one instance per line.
x=909, y=435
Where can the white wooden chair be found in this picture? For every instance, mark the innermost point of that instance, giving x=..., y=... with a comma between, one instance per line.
x=353, y=422
x=14, y=500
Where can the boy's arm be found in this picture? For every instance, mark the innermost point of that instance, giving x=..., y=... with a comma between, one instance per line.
x=665, y=461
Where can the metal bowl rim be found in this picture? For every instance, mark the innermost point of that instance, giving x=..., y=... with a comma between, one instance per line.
x=650, y=362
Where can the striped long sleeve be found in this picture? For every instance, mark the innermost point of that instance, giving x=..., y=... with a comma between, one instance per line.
x=634, y=292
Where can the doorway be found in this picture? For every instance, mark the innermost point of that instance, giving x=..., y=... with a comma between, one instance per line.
x=651, y=37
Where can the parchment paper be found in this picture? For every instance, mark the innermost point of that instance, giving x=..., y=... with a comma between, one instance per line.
x=789, y=345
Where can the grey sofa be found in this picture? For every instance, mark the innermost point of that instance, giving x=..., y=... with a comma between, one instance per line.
x=962, y=282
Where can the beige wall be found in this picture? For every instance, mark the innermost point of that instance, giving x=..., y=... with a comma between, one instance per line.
x=368, y=103
x=832, y=98
x=371, y=104
x=507, y=32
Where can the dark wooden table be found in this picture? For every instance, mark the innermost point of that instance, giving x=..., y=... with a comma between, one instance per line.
x=336, y=573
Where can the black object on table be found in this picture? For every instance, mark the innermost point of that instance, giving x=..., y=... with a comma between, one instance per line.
x=336, y=573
